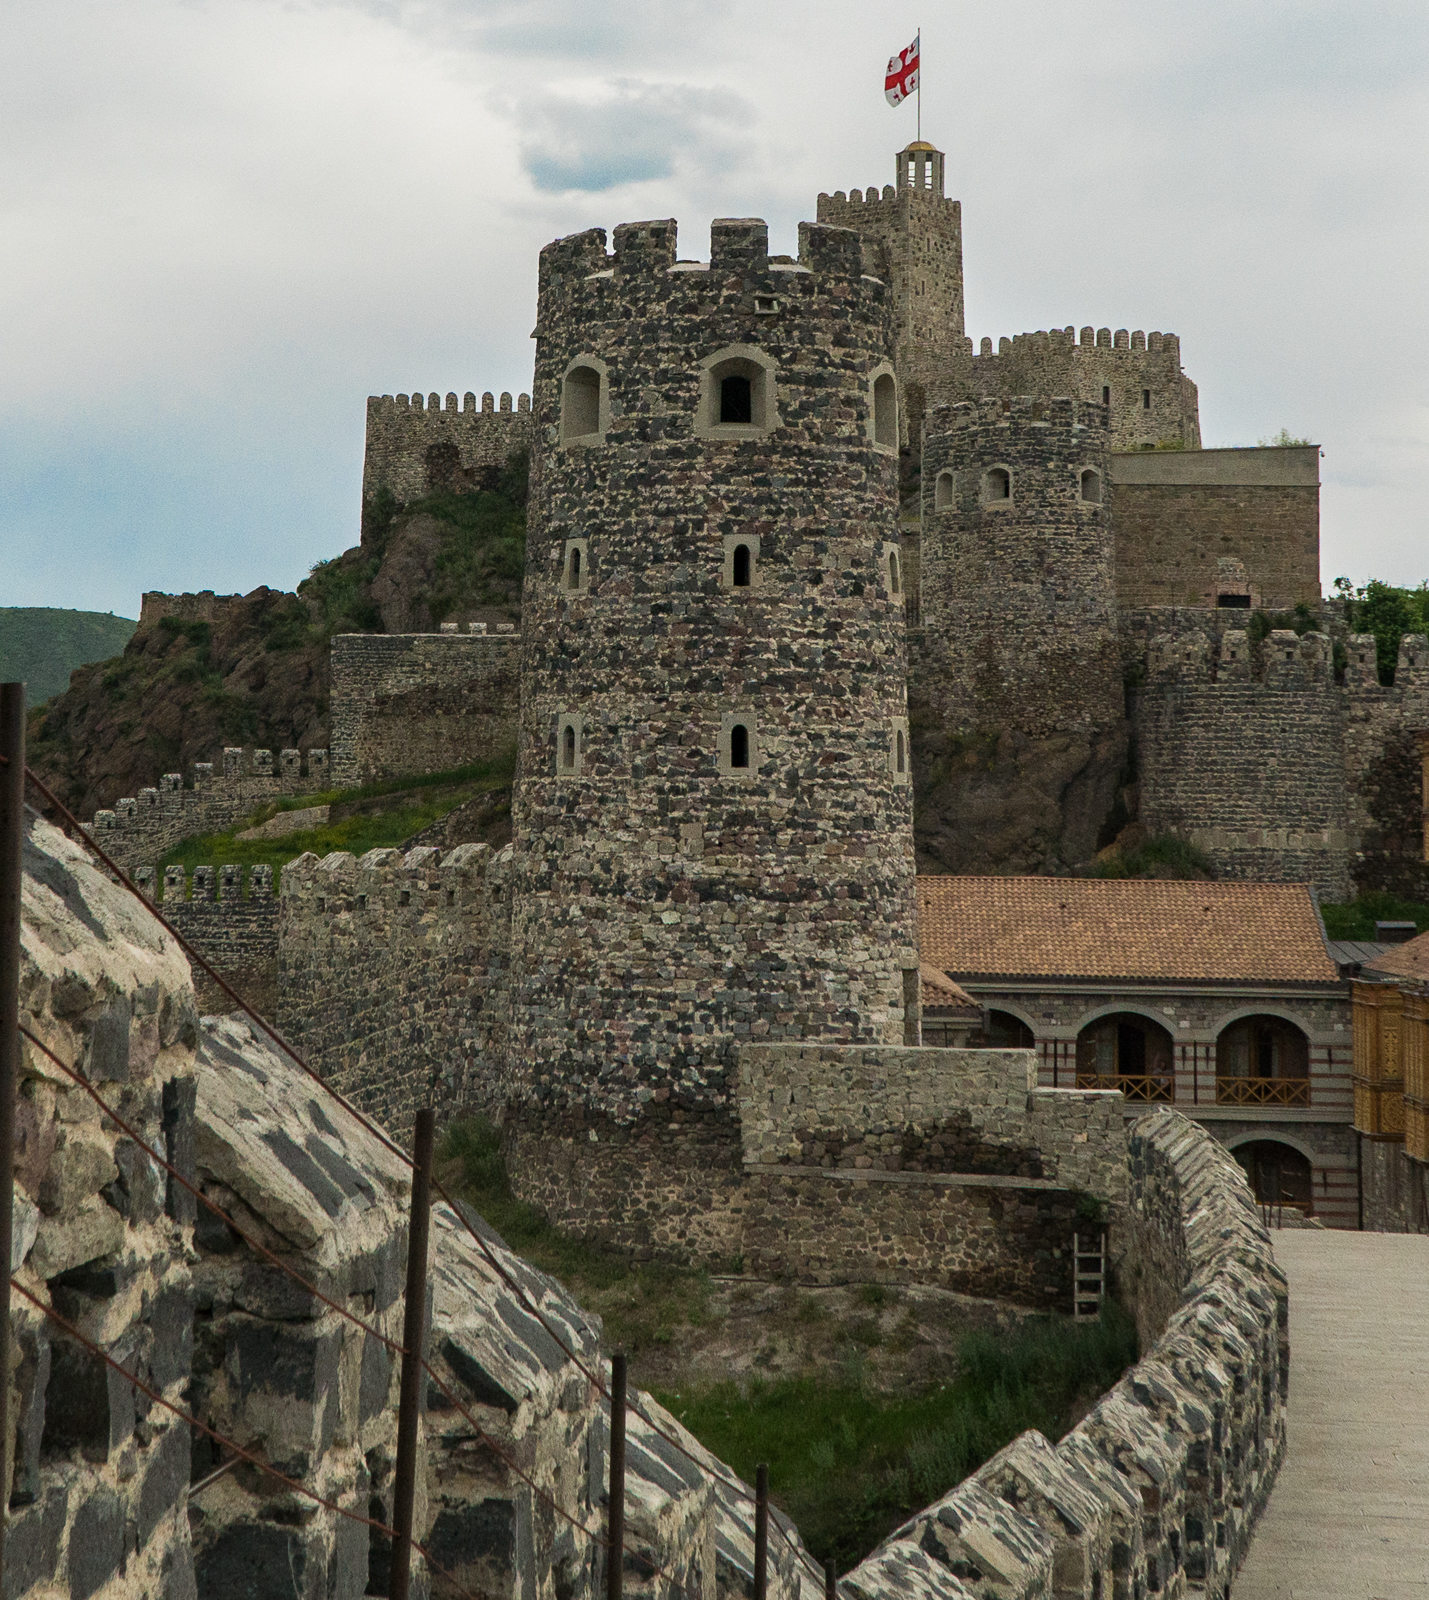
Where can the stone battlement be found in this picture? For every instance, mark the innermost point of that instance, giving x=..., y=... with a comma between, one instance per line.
x=139, y=827
x=737, y=245
x=1284, y=659
x=417, y=446
x=1168, y=344
x=380, y=404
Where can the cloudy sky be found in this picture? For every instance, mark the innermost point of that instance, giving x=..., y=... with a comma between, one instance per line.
x=223, y=223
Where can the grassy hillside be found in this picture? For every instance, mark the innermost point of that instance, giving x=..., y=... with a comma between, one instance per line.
x=42, y=646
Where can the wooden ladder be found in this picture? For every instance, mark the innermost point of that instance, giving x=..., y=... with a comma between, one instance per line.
x=1088, y=1273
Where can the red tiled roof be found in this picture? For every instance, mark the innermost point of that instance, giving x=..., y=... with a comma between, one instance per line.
x=1139, y=928
x=939, y=990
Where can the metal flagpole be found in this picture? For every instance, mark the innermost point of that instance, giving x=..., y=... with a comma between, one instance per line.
x=919, y=37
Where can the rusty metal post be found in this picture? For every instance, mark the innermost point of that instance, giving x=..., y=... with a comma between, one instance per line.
x=12, y=827
x=615, y=1524
x=414, y=1317
x=761, y=1531
x=831, y=1581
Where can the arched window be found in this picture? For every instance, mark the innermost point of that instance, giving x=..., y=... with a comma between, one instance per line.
x=1262, y=1060
x=740, y=567
x=568, y=748
x=1092, y=486
x=996, y=486
x=575, y=573
x=894, y=582
x=900, y=751
x=736, y=398
x=573, y=568
x=581, y=395
x=1126, y=1051
x=739, y=746
x=885, y=411
x=943, y=492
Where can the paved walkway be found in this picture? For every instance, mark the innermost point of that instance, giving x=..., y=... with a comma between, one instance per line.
x=1349, y=1517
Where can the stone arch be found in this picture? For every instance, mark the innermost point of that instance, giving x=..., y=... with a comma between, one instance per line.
x=1089, y=486
x=996, y=487
x=1280, y=1171
x=585, y=401
x=738, y=394
x=943, y=487
x=1125, y=1048
x=883, y=409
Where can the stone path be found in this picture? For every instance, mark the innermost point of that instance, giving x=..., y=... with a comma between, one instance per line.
x=1349, y=1517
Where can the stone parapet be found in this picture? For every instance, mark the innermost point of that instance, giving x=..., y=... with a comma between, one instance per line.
x=1158, y=1488
x=417, y=447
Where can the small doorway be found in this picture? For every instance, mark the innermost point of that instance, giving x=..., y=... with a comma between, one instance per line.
x=1278, y=1173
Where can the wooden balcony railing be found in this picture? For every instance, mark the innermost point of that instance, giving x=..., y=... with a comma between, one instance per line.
x=1262, y=1091
x=1145, y=1087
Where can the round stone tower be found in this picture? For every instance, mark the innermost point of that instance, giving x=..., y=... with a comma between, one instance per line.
x=1019, y=657
x=712, y=814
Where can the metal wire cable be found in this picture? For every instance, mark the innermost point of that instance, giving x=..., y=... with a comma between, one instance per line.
x=292, y=1272
x=222, y=1439
x=741, y=1490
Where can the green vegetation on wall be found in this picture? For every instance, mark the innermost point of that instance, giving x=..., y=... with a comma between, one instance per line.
x=1388, y=611
x=41, y=646
x=1355, y=919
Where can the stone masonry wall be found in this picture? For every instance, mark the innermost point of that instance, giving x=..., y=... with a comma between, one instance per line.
x=97, y=1473
x=421, y=702
x=392, y=975
x=140, y=829
x=845, y=1164
x=1182, y=516
x=237, y=934
x=1158, y=1488
x=1121, y=371
x=670, y=903
x=415, y=448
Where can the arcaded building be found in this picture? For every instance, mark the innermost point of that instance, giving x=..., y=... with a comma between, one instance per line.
x=1220, y=999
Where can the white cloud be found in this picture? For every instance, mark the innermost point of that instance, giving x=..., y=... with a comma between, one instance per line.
x=224, y=222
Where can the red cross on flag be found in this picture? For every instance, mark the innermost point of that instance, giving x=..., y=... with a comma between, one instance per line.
x=902, y=78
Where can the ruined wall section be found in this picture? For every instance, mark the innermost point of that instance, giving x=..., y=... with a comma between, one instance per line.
x=1159, y=1487
x=232, y=924
x=1194, y=525
x=416, y=448
x=141, y=828
x=1137, y=376
x=670, y=901
x=97, y=1473
x=392, y=975
x=421, y=702
x=847, y=1164
x=1386, y=749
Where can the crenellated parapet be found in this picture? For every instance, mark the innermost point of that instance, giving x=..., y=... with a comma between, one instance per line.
x=1136, y=375
x=139, y=827
x=418, y=446
x=392, y=974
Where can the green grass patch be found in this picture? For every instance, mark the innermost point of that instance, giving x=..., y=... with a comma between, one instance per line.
x=643, y=1303
x=1355, y=919
x=366, y=830
x=849, y=1465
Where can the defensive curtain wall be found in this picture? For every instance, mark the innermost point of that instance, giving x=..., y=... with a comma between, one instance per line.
x=1275, y=769
x=421, y=702
x=1155, y=1491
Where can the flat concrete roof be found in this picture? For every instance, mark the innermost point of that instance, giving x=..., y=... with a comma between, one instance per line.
x=1283, y=466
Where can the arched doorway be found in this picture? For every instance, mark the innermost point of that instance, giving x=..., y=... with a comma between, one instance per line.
x=1126, y=1051
x=1003, y=1031
x=1278, y=1173
x=1262, y=1061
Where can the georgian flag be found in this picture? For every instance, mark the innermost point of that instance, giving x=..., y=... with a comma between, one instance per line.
x=902, y=78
